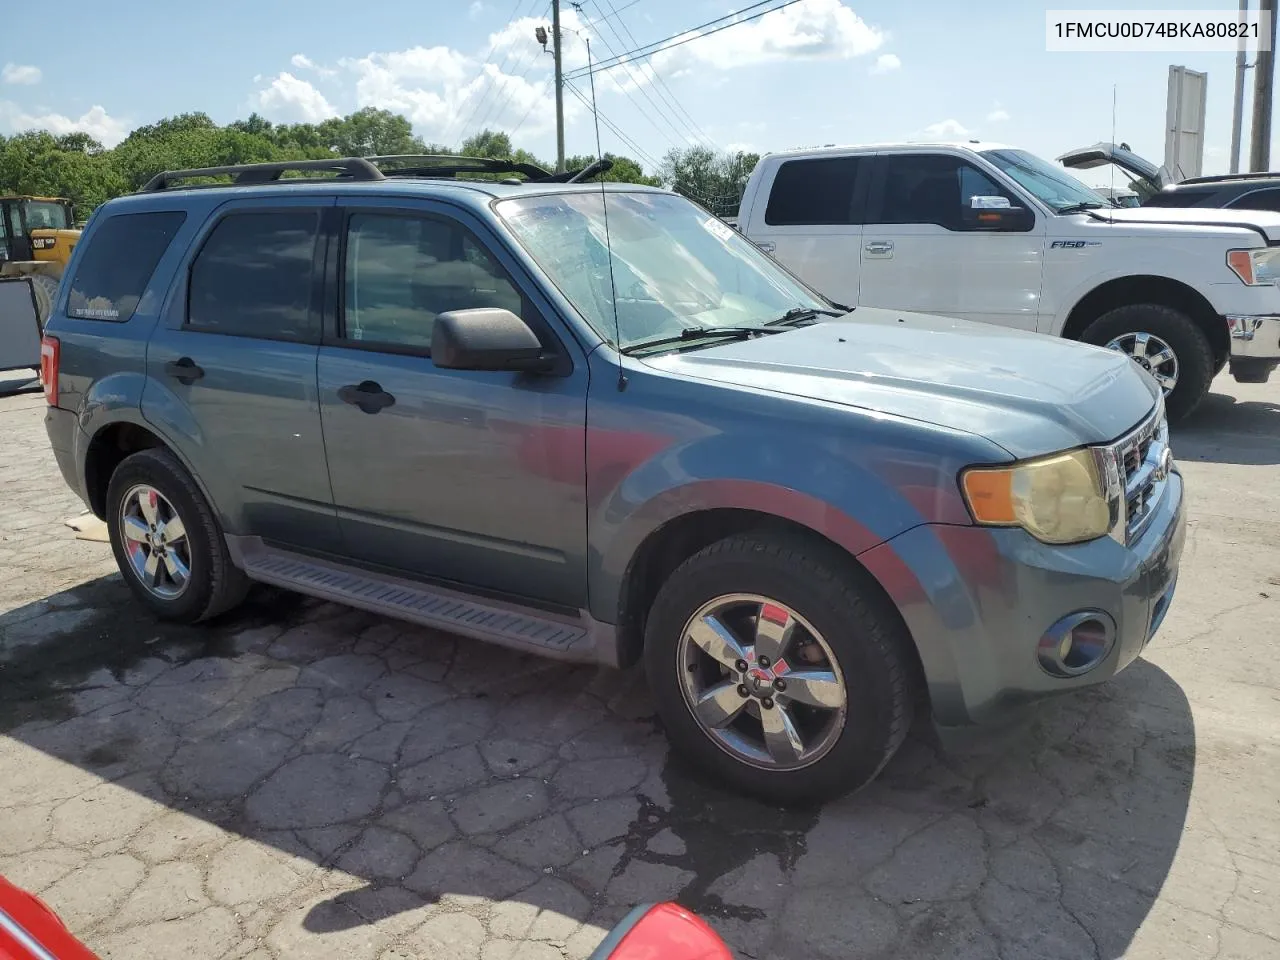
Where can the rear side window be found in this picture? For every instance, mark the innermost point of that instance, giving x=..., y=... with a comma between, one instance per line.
x=252, y=277
x=118, y=263
x=813, y=192
x=1258, y=200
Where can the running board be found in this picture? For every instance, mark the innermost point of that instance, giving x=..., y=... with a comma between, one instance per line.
x=580, y=638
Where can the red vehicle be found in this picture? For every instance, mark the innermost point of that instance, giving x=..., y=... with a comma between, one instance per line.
x=29, y=930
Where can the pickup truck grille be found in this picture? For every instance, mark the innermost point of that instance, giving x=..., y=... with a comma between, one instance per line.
x=1144, y=460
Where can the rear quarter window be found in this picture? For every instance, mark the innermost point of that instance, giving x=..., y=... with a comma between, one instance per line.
x=813, y=192
x=118, y=262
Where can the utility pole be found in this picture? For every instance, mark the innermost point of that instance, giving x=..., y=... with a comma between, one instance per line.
x=1263, y=81
x=555, y=48
x=1237, y=115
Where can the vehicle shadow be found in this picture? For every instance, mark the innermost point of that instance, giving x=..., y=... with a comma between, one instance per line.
x=419, y=772
x=1226, y=430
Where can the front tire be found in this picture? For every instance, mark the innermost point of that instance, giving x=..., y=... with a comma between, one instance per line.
x=167, y=542
x=824, y=699
x=1167, y=343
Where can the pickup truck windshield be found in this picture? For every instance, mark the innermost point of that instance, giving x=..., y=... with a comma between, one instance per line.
x=675, y=266
x=1052, y=185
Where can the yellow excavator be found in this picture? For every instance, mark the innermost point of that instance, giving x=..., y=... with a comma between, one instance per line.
x=37, y=235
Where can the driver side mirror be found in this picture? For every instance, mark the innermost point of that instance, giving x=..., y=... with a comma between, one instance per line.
x=488, y=338
x=996, y=214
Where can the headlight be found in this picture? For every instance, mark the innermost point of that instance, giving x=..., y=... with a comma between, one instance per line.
x=1062, y=498
x=1257, y=267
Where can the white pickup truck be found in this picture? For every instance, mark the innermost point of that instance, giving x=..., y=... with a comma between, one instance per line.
x=993, y=233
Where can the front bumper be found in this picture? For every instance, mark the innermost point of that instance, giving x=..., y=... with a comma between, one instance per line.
x=1254, y=337
x=977, y=601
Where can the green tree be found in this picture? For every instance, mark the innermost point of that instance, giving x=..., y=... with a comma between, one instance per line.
x=370, y=132
x=624, y=169
x=716, y=180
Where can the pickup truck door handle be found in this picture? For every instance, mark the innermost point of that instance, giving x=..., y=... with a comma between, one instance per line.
x=879, y=248
x=184, y=370
x=368, y=395
x=766, y=245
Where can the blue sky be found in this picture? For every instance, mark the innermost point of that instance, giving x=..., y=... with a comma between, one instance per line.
x=822, y=71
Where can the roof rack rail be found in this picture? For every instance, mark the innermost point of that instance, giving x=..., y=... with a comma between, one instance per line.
x=250, y=174
x=1216, y=178
x=449, y=165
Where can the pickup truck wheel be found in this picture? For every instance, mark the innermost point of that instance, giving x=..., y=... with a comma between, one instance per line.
x=167, y=541
x=776, y=668
x=1167, y=344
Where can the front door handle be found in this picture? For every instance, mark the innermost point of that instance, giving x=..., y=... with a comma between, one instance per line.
x=368, y=395
x=879, y=248
x=184, y=370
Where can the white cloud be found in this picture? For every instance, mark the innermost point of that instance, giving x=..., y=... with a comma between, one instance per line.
x=288, y=98
x=948, y=129
x=475, y=9
x=998, y=114
x=303, y=62
x=95, y=121
x=20, y=74
x=810, y=29
x=886, y=63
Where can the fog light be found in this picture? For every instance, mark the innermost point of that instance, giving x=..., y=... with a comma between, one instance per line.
x=1076, y=644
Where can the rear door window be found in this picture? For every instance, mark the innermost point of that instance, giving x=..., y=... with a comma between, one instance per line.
x=122, y=255
x=814, y=192
x=253, y=277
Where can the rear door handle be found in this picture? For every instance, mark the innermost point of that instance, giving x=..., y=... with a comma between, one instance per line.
x=879, y=248
x=766, y=245
x=368, y=395
x=184, y=370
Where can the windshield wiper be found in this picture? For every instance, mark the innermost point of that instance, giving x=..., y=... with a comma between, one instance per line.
x=1081, y=207
x=800, y=314
x=700, y=333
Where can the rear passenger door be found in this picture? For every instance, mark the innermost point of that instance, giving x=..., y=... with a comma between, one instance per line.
x=920, y=254
x=812, y=221
x=474, y=477
x=233, y=370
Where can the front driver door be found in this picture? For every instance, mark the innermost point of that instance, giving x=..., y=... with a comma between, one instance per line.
x=471, y=477
x=919, y=254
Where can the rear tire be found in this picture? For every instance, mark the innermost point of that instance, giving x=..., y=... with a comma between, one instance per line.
x=1192, y=365
x=197, y=580
x=863, y=646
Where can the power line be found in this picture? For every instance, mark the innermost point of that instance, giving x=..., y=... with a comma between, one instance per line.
x=444, y=134
x=484, y=96
x=679, y=137
x=533, y=104
x=640, y=85
x=687, y=36
x=663, y=89
x=627, y=141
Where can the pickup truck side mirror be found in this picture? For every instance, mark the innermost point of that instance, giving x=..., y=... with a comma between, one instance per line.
x=996, y=214
x=488, y=338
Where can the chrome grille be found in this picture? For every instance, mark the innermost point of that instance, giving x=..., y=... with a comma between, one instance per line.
x=1143, y=459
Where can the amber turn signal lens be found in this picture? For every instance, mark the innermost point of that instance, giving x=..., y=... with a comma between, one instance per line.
x=990, y=495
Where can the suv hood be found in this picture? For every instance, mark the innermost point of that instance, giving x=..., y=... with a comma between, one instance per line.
x=1100, y=154
x=1264, y=222
x=1029, y=393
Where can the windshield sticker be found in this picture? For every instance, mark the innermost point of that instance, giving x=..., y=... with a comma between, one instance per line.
x=718, y=229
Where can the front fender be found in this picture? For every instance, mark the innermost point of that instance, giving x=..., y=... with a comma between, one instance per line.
x=856, y=479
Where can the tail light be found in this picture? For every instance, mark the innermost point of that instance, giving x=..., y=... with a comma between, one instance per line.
x=50, y=354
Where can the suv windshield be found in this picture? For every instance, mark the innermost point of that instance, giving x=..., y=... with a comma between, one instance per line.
x=675, y=266
x=41, y=214
x=1050, y=184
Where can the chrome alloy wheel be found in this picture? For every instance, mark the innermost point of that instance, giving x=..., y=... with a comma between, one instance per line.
x=1152, y=354
x=155, y=540
x=761, y=682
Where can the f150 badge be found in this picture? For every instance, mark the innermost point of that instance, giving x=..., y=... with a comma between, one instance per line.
x=1074, y=244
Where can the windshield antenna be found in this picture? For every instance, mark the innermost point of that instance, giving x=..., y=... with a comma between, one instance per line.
x=608, y=244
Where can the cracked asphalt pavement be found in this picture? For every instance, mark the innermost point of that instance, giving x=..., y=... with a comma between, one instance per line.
x=302, y=780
